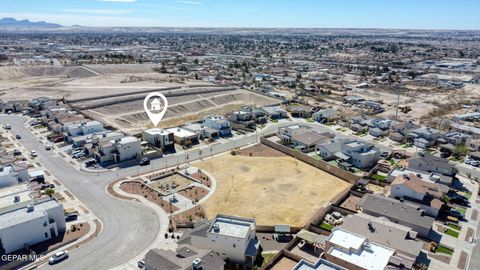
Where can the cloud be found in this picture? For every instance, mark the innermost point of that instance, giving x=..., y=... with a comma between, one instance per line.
x=189, y=2
x=98, y=11
x=176, y=8
x=119, y=1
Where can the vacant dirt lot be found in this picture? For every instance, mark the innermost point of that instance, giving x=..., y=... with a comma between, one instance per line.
x=260, y=150
x=274, y=190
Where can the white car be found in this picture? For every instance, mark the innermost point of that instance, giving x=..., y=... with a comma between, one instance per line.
x=58, y=257
x=48, y=147
x=34, y=153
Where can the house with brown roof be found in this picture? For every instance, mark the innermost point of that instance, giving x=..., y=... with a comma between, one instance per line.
x=307, y=141
x=412, y=189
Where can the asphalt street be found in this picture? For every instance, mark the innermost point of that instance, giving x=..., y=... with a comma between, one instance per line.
x=128, y=227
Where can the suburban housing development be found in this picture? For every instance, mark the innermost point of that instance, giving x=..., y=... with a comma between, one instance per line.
x=280, y=148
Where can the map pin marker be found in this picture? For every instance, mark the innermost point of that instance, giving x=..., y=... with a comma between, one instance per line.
x=157, y=107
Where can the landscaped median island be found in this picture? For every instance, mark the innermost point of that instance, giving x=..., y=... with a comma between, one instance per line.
x=176, y=192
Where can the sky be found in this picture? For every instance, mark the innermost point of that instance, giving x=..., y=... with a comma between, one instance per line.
x=405, y=14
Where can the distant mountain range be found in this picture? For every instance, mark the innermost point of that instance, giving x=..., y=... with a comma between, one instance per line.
x=12, y=22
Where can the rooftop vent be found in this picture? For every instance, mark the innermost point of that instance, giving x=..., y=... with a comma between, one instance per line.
x=197, y=264
x=16, y=199
x=216, y=228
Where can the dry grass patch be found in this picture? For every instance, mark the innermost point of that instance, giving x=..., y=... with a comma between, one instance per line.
x=274, y=190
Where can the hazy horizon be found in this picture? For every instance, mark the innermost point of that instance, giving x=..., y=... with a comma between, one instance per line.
x=366, y=14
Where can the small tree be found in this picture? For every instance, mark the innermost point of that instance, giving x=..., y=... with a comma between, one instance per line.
x=49, y=192
x=459, y=150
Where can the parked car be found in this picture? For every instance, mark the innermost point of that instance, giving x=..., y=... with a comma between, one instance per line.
x=455, y=213
x=90, y=162
x=58, y=257
x=445, y=154
x=17, y=152
x=77, y=151
x=459, y=201
x=71, y=217
x=141, y=264
x=452, y=194
x=18, y=137
x=78, y=155
x=144, y=161
x=45, y=186
x=34, y=153
x=472, y=162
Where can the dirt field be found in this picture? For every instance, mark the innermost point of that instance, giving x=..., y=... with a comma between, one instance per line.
x=71, y=82
x=194, y=193
x=260, y=150
x=130, y=116
x=274, y=190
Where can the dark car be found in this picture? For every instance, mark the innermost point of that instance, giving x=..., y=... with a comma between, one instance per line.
x=45, y=186
x=459, y=201
x=18, y=137
x=71, y=217
x=454, y=195
x=445, y=154
x=144, y=161
x=17, y=152
x=90, y=162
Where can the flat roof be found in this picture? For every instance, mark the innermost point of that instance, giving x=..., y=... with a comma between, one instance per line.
x=8, y=194
x=181, y=132
x=155, y=131
x=321, y=264
x=127, y=139
x=232, y=226
x=21, y=215
x=369, y=256
x=347, y=240
x=354, y=144
x=424, y=176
